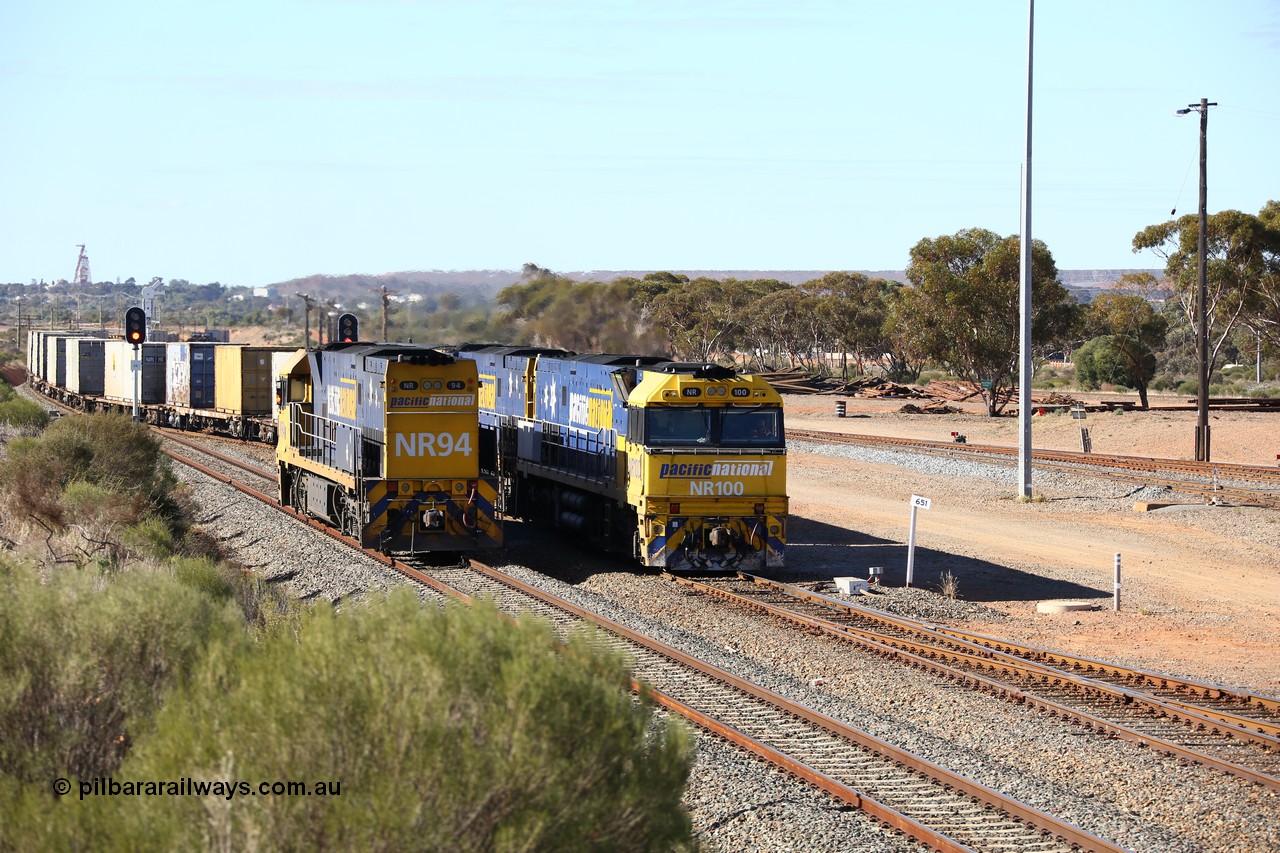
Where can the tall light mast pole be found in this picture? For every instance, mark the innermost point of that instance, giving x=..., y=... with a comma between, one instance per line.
x=1024, y=337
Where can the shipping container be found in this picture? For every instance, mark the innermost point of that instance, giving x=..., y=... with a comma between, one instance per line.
x=44, y=362
x=58, y=370
x=33, y=353
x=32, y=347
x=118, y=379
x=39, y=348
x=86, y=359
x=190, y=375
x=245, y=383
x=280, y=361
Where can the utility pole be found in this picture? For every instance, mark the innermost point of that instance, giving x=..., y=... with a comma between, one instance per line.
x=308, y=303
x=1202, y=332
x=324, y=321
x=386, y=303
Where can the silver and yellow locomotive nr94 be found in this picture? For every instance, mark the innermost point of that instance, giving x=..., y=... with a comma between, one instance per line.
x=380, y=441
x=682, y=466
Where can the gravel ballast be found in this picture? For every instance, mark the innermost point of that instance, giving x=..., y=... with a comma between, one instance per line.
x=1113, y=789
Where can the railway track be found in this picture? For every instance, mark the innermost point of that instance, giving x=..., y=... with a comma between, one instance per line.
x=1212, y=480
x=937, y=807
x=1230, y=731
x=951, y=814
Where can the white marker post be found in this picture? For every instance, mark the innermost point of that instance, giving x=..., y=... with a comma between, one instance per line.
x=1117, y=583
x=917, y=502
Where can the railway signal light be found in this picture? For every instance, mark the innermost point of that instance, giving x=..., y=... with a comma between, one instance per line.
x=135, y=325
x=348, y=328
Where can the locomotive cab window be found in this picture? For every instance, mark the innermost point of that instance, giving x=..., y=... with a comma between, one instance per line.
x=750, y=428
x=635, y=425
x=677, y=427
x=713, y=427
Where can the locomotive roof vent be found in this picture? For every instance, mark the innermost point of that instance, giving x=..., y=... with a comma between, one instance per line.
x=431, y=357
x=698, y=370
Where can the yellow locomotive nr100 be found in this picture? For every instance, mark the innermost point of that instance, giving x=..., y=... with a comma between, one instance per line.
x=682, y=466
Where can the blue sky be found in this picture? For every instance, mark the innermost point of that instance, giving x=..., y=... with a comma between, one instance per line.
x=251, y=141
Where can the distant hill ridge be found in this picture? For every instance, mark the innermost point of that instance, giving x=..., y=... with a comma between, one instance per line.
x=497, y=279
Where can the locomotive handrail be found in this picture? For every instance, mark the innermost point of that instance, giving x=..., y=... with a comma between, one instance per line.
x=308, y=440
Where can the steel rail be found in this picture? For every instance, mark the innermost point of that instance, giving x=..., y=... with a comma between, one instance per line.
x=1018, y=813
x=1216, y=477
x=999, y=669
x=1255, y=711
x=221, y=457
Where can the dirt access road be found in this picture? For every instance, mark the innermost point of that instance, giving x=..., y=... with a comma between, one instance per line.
x=1200, y=584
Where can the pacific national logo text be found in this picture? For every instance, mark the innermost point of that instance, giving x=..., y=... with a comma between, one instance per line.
x=715, y=469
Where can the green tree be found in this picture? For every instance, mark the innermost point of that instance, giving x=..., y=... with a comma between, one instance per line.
x=1265, y=321
x=552, y=310
x=706, y=317
x=785, y=322
x=963, y=306
x=1134, y=331
x=905, y=340
x=1098, y=361
x=1241, y=249
x=854, y=310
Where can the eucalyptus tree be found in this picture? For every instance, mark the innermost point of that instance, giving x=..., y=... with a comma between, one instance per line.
x=1241, y=262
x=788, y=323
x=1127, y=326
x=963, y=306
x=905, y=347
x=1264, y=322
x=705, y=317
x=553, y=310
x=854, y=309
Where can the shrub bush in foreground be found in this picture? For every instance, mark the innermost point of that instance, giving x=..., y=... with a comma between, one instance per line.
x=446, y=729
x=84, y=665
